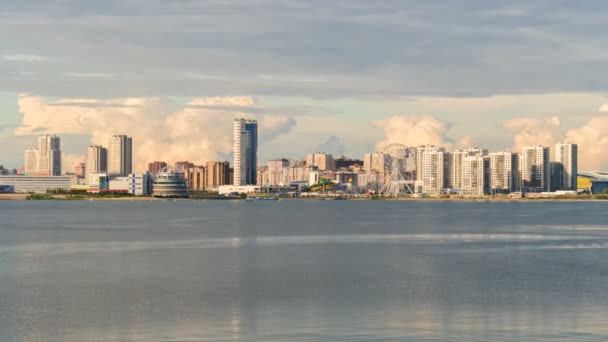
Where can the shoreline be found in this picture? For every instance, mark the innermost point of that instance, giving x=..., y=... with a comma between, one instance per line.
x=23, y=197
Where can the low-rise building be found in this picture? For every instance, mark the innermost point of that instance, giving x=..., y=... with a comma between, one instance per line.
x=36, y=184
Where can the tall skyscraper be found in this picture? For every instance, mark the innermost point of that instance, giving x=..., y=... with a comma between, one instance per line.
x=504, y=172
x=120, y=155
x=49, y=155
x=567, y=155
x=245, y=151
x=535, y=170
x=46, y=160
x=96, y=160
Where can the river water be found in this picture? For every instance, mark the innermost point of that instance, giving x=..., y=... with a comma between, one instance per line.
x=303, y=271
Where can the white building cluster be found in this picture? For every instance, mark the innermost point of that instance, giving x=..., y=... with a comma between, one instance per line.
x=433, y=171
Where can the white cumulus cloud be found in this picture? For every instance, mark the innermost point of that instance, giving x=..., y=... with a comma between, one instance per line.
x=412, y=130
x=199, y=131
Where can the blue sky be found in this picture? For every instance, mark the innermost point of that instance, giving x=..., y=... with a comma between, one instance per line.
x=315, y=70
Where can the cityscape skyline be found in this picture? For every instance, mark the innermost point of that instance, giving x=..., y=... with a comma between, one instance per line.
x=393, y=169
x=489, y=74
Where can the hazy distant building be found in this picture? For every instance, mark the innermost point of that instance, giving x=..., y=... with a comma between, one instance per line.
x=504, y=172
x=49, y=155
x=567, y=155
x=345, y=163
x=80, y=170
x=37, y=184
x=262, y=175
x=245, y=151
x=433, y=171
x=557, y=176
x=375, y=162
x=120, y=156
x=534, y=169
x=96, y=160
x=46, y=159
x=196, y=178
x=183, y=166
x=475, y=175
x=31, y=162
x=277, y=172
x=156, y=167
x=456, y=167
x=218, y=174
x=323, y=161
x=419, y=158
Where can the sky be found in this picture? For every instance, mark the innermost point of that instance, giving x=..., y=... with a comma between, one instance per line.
x=344, y=77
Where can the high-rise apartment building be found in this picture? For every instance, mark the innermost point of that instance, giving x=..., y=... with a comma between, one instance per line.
x=245, y=151
x=375, y=162
x=475, y=175
x=433, y=171
x=419, y=159
x=534, y=169
x=31, y=162
x=456, y=167
x=323, y=161
x=567, y=155
x=96, y=160
x=120, y=156
x=49, y=156
x=46, y=160
x=218, y=174
x=504, y=172
x=277, y=172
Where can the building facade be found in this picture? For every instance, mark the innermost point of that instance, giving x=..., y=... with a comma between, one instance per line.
x=456, y=164
x=504, y=172
x=277, y=172
x=433, y=171
x=245, y=152
x=156, y=167
x=120, y=155
x=96, y=160
x=323, y=161
x=566, y=154
x=475, y=175
x=36, y=184
x=535, y=169
x=46, y=159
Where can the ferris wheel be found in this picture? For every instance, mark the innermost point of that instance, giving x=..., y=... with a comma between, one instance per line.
x=396, y=184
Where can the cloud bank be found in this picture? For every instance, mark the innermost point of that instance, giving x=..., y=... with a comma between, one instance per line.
x=199, y=131
x=591, y=137
x=412, y=130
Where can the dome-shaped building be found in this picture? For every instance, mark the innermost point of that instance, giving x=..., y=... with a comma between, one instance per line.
x=169, y=184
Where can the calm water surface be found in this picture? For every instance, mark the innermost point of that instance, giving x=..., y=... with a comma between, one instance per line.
x=303, y=271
